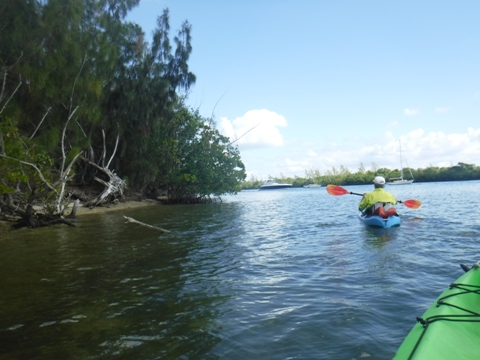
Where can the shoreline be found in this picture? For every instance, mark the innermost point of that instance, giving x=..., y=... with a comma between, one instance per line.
x=129, y=204
x=5, y=226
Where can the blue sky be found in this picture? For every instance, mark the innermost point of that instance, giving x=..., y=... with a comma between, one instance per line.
x=334, y=83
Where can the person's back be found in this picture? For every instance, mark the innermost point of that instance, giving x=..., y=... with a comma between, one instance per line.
x=378, y=200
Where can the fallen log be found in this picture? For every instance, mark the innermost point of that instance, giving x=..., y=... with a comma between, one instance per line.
x=132, y=220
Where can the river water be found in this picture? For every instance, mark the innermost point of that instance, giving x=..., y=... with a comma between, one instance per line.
x=281, y=274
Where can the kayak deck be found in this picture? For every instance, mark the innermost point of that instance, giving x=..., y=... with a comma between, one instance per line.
x=450, y=328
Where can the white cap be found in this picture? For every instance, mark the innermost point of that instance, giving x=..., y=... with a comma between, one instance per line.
x=380, y=180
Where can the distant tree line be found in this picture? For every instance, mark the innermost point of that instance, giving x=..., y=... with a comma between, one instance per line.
x=85, y=100
x=343, y=176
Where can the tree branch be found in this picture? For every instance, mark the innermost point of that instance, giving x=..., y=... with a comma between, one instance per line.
x=75, y=82
x=245, y=133
x=35, y=167
x=44, y=116
x=104, y=154
x=13, y=93
x=114, y=151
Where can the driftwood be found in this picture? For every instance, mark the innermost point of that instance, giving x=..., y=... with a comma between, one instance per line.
x=113, y=188
x=132, y=220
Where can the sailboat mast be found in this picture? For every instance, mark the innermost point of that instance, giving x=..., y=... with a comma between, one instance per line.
x=401, y=180
x=401, y=164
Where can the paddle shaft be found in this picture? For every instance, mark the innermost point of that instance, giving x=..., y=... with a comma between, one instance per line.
x=336, y=190
x=352, y=193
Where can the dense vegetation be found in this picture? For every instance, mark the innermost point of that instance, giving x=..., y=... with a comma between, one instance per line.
x=343, y=176
x=82, y=93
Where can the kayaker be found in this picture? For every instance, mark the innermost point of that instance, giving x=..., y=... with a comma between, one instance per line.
x=379, y=201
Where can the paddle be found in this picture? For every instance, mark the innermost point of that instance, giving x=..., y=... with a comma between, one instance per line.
x=336, y=190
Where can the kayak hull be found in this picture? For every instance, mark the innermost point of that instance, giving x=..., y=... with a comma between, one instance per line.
x=450, y=328
x=378, y=222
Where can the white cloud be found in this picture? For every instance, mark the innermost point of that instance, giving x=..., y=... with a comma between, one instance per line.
x=265, y=152
x=441, y=110
x=411, y=112
x=255, y=129
x=419, y=149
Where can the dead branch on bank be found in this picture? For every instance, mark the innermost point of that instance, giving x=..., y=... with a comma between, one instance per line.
x=18, y=202
x=132, y=220
x=114, y=187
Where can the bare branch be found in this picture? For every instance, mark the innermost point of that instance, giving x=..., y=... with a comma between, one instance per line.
x=13, y=93
x=3, y=84
x=5, y=69
x=114, y=187
x=63, y=180
x=34, y=166
x=63, y=140
x=44, y=116
x=245, y=133
x=114, y=151
x=213, y=110
x=85, y=134
x=104, y=154
x=75, y=82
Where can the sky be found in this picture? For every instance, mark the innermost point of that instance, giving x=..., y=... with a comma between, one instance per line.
x=319, y=84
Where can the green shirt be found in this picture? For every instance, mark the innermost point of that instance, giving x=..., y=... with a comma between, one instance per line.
x=377, y=195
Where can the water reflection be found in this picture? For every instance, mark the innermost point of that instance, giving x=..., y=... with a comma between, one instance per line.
x=108, y=289
x=380, y=237
x=286, y=274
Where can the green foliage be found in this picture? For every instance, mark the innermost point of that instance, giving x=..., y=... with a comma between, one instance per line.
x=75, y=69
x=458, y=172
x=12, y=173
x=200, y=162
x=43, y=160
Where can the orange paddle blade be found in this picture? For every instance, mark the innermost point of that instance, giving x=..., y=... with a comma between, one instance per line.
x=412, y=204
x=336, y=190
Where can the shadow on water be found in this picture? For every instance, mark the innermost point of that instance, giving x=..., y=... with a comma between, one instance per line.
x=108, y=289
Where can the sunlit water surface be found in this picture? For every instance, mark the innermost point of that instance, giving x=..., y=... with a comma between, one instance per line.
x=282, y=274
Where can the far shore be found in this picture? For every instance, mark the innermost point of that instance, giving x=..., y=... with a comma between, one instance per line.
x=81, y=210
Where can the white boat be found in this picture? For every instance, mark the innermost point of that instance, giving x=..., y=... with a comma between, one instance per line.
x=401, y=180
x=272, y=184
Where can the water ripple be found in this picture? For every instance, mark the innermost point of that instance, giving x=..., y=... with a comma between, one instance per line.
x=279, y=275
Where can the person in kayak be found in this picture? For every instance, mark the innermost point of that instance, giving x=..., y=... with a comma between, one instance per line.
x=379, y=201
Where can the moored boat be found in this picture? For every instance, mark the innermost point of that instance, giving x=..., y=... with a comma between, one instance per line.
x=401, y=180
x=450, y=328
x=379, y=222
x=272, y=184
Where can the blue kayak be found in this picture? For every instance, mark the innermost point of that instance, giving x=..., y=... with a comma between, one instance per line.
x=379, y=222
